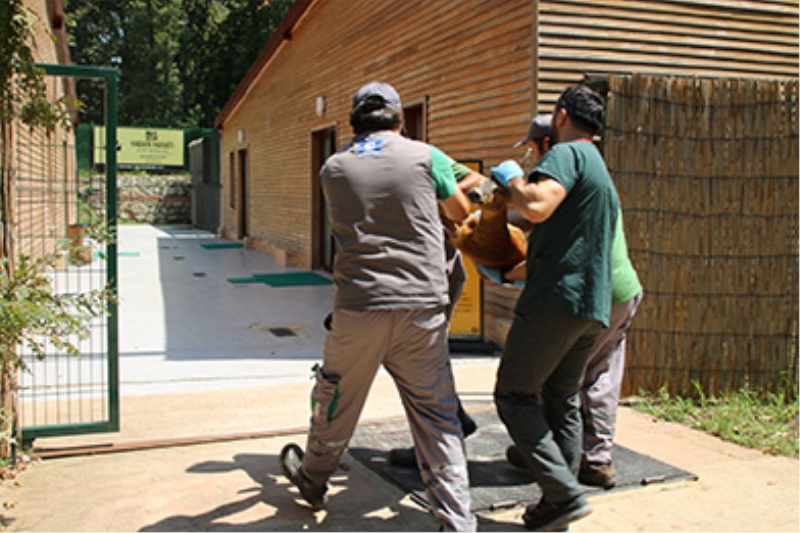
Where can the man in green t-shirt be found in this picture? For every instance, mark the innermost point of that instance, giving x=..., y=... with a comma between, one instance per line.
x=603, y=377
x=566, y=302
x=602, y=380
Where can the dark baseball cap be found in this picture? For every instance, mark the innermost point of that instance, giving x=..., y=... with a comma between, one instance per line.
x=378, y=89
x=539, y=129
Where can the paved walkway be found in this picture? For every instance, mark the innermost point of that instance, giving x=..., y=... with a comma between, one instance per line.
x=210, y=396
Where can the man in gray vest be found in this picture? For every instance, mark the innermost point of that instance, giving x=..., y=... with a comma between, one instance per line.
x=390, y=295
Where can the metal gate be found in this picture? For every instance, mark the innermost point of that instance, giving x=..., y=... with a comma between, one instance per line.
x=62, y=394
x=206, y=184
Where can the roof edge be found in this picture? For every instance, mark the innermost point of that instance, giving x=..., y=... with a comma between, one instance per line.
x=282, y=33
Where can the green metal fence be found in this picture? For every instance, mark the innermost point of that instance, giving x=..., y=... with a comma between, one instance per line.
x=62, y=394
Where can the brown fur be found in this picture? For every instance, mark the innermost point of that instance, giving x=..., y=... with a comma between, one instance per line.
x=489, y=240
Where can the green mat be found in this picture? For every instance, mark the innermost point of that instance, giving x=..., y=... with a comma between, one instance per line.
x=244, y=280
x=218, y=245
x=100, y=255
x=292, y=279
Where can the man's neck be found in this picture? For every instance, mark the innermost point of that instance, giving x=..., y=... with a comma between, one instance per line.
x=571, y=134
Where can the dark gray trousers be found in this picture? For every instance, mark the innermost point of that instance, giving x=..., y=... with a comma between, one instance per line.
x=537, y=396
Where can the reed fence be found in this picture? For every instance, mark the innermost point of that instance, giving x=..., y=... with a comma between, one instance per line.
x=707, y=172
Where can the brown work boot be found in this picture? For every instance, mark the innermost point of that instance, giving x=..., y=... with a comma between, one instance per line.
x=597, y=474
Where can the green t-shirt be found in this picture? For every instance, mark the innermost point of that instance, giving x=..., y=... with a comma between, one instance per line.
x=460, y=170
x=443, y=179
x=624, y=280
x=569, y=254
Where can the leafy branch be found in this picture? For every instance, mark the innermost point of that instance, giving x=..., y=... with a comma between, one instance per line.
x=24, y=94
x=33, y=315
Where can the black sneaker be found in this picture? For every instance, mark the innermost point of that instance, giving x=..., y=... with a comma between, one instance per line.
x=555, y=517
x=514, y=456
x=291, y=461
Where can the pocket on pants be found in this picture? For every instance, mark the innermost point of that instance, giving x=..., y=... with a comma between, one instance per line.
x=324, y=396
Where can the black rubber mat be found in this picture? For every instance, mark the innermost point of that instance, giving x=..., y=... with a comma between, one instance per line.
x=494, y=483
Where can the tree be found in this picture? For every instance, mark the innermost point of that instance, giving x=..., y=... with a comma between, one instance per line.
x=199, y=35
x=243, y=34
x=96, y=32
x=179, y=60
x=149, y=87
x=219, y=42
x=140, y=38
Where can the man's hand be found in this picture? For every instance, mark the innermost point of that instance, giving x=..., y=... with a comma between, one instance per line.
x=456, y=207
x=507, y=171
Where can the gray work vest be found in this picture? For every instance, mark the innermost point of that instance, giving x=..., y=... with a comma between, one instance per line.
x=385, y=221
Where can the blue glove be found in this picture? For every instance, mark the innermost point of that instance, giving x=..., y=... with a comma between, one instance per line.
x=496, y=275
x=492, y=274
x=507, y=171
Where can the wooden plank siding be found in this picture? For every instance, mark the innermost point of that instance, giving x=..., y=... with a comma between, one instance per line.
x=469, y=61
x=721, y=38
x=482, y=69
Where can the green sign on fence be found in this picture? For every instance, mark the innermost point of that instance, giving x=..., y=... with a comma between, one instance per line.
x=144, y=148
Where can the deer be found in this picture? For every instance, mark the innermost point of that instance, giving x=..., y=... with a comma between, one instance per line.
x=487, y=237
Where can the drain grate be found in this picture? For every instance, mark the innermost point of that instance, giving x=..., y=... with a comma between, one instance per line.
x=283, y=332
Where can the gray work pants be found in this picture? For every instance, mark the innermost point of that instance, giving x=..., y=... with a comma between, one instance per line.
x=412, y=346
x=602, y=383
x=540, y=374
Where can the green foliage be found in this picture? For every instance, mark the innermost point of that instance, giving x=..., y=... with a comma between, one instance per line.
x=149, y=86
x=33, y=314
x=179, y=60
x=23, y=94
x=95, y=31
x=764, y=421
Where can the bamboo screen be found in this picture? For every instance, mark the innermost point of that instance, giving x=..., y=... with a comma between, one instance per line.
x=707, y=172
